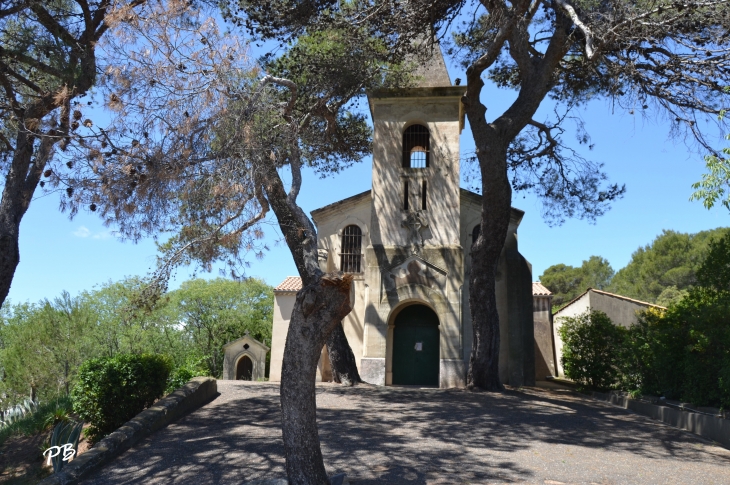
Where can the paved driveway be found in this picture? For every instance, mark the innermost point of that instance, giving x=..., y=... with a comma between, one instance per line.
x=397, y=435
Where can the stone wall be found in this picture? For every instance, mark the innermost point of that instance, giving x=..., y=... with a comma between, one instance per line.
x=714, y=428
x=544, y=352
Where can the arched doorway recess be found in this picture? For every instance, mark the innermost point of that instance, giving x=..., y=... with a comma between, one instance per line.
x=244, y=369
x=416, y=347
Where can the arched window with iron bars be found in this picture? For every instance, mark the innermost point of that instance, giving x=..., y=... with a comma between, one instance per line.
x=350, y=249
x=416, y=147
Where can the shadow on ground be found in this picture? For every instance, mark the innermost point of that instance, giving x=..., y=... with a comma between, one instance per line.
x=391, y=435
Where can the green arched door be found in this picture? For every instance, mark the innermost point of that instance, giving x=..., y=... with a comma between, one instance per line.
x=416, y=347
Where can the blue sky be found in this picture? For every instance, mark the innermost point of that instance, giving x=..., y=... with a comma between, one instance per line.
x=60, y=254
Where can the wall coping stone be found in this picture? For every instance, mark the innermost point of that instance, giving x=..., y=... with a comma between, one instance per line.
x=199, y=391
x=709, y=426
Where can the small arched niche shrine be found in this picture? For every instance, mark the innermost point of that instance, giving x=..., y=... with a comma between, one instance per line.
x=244, y=359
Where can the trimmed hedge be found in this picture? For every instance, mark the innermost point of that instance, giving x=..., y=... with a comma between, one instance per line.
x=110, y=391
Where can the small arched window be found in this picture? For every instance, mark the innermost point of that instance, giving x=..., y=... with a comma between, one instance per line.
x=351, y=247
x=416, y=141
x=475, y=233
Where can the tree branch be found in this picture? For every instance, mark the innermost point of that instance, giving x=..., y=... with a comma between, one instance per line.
x=587, y=32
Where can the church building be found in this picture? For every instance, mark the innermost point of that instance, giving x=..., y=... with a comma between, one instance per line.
x=407, y=242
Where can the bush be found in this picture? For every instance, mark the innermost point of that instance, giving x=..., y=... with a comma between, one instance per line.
x=110, y=391
x=181, y=375
x=687, y=349
x=593, y=349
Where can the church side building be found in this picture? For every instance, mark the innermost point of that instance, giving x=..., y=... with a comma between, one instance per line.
x=406, y=242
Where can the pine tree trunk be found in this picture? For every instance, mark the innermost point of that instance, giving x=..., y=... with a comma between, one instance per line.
x=342, y=359
x=485, y=252
x=9, y=257
x=20, y=183
x=319, y=308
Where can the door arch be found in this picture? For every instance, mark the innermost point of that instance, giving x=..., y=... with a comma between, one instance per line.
x=244, y=369
x=416, y=351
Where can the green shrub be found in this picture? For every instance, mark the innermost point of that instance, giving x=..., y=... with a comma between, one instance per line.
x=110, y=391
x=690, y=350
x=181, y=375
x=593, y=348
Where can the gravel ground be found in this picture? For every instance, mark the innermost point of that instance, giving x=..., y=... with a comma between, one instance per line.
x=424, y=436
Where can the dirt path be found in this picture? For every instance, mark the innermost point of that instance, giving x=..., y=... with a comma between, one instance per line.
x=392, y=436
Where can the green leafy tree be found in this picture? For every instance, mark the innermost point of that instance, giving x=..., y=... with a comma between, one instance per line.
x=671, y=295
x=671, y=260
x=715, y=183
x=715, y=270
x=567, y=282
x=218, y=311
x=43, y=346
x=123, y=327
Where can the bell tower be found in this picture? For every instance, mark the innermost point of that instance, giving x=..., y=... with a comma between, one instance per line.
x=416, y=161
x=414, y=255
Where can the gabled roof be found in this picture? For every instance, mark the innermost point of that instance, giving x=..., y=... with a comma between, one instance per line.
x=352, y=199
x=247, y=338
x=539, y=290
x=291, y=284
x=613, y=295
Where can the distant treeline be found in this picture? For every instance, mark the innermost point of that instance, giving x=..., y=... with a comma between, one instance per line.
x=43, y=344
x=661, y=272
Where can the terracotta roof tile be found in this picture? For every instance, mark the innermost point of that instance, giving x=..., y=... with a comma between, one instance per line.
x=290, y=284
x=539, y=290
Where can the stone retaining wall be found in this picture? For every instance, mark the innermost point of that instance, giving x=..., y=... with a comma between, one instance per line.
x=714, y=428
x=191, y=396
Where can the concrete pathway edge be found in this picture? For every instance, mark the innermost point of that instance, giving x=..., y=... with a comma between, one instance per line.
x=199, y=391
x=713, y=428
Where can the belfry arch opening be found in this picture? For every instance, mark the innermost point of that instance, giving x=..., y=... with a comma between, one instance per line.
x=416, y=351
x=416, y=147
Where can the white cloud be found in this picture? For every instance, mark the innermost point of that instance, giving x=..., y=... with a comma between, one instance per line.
x=82, y=231
x=102, y=235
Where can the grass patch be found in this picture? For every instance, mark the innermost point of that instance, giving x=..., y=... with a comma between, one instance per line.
x=47, y=415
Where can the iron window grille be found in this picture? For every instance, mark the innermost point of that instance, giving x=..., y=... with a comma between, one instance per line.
x=416, y=147
x=351, y=257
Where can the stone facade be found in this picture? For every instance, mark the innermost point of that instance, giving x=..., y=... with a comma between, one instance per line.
x=415, y=228
x=542, y=302
x=249, y=348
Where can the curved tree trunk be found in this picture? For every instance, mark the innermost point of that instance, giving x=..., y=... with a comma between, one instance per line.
x=486, y=250
x=9, y=257
x=319, y=308
x=20, y=183
x=342, y=359
x=492, y=140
